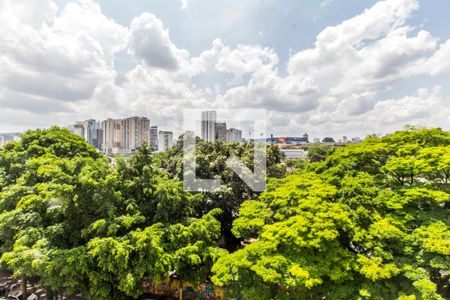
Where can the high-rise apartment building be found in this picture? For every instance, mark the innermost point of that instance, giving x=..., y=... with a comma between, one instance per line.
x=91, y=132
x=154, y=140
x=220, y=129
x=234, y=135
x=208, y=125
x=2, y=141
x=165, y=140
x=136, y=132
x=113, y=135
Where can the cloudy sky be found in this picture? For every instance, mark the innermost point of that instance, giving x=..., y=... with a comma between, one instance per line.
x=332, y=67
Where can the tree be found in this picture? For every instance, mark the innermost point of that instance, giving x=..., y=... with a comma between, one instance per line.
x=348, y=228
x=318, y=153
x=211, y=163
x=78, y=225
x=328, y=140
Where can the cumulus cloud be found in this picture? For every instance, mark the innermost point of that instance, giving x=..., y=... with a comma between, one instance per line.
x=340, y=79
x=61, y=62
x=47, y=58
x=149, y=42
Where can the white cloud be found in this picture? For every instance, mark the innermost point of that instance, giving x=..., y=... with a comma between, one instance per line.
x=42, y=57
x=149, y=42
x=60, y=63
x=351, y=63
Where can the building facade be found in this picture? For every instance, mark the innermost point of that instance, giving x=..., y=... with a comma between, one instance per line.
x=91, y=132
x=220, y=129
x=136, y=132
x=165, y=140
x=113, y=136
x=154, y=140
x=208, y=123
x=234, y=135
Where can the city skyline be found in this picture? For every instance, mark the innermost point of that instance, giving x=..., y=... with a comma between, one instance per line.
x=124, y=136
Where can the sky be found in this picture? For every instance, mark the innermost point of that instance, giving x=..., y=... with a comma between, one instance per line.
x=329, y=68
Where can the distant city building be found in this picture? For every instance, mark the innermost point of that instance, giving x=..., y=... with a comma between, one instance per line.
x=2, y=141
x=165, y=140
x=220, y=129
x=288, y=140
x=344, y=139
x=154, y=138
x=316, y=140
x=234, y=135
x=113, y=136
x=136, y=132
x=208, y=122
x=306, y=137
x=77, y=129
x=91, y=132
x=294, y=153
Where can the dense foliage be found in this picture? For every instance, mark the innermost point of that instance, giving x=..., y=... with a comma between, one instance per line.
x=369, y=222
x=77, y=224
x=364, y=221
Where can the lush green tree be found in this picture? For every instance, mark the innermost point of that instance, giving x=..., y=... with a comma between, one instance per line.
x=211, y=163
x=328, y=140
x=317, y=153
x=79, y=225
x=369, y=222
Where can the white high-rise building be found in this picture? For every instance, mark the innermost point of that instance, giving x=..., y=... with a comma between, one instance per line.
x=113, y=136
x=2, y=141
x=154, y=140
x=136, y=132
x=165, y=140
x=208, y=123
x=234, y=135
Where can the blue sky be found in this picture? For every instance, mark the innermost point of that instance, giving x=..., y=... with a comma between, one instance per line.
x=72, y=60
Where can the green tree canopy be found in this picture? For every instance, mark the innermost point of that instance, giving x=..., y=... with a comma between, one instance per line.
x=369, y=222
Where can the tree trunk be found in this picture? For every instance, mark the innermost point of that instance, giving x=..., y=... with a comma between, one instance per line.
x=23, y=286
x=181, y=290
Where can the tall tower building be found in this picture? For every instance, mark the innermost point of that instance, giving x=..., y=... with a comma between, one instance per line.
x=113, y=135
x=220, y=129
x=165, y=140
x=154, y=140
x=208, y=125
x=90, y=132
x=136, y=132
